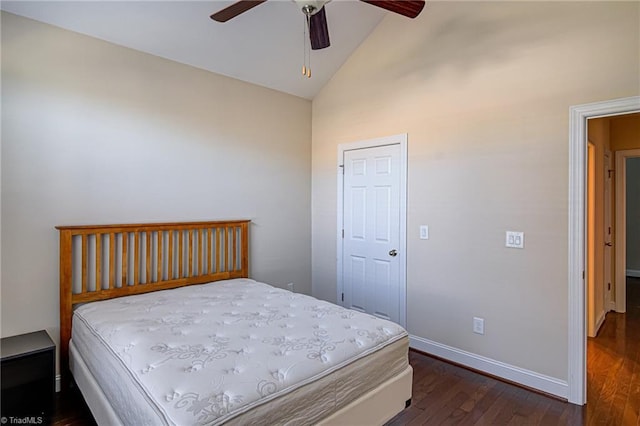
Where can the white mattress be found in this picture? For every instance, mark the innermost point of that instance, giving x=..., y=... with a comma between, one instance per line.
x=218, y=352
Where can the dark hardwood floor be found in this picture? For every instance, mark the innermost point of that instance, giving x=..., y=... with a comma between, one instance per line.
x=613, y=359
x=71, y=410
x=444, y=394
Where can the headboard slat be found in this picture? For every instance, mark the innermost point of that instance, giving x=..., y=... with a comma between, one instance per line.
x=85, y=270
x=170, y=257
x=148, y=257
x=125, y=247
x=112, y=260
x=98, y=239
x=136, y=258
x=190, y=269
x=159, y=239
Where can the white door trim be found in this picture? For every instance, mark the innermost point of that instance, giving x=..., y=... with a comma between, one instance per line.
x=609, y=264
x=400, y=139
x=578, y=115
x=621, y=236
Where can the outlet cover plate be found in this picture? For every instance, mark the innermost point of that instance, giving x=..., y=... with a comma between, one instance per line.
x=478, y=325
x=424, y=232
x=514, y=239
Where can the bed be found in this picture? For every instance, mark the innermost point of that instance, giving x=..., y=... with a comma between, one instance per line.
x=169, y=329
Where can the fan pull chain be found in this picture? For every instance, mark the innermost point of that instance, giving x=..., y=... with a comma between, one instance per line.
x=309, y=60
x=306, y=66
x=304, y=48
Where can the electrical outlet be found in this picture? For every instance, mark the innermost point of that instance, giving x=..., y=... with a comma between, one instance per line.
x=478, y=325
x=290, y=286
x=514, y=239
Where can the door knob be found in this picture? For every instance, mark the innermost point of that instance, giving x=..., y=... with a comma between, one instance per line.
x=393, y=253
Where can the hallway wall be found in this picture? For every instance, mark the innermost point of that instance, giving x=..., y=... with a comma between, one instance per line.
x=633, y=216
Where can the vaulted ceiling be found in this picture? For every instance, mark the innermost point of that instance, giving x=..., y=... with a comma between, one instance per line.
x=262, y=46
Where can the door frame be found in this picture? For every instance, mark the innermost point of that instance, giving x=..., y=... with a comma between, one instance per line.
x=590, y=234
x=621, y=217
x=400, y=139
x=609, y=267
x=577, y=341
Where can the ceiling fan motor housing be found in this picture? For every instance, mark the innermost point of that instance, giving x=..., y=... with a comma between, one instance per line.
x=310, y=7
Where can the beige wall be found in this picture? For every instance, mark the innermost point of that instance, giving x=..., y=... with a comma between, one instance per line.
x=483, y=90
x=96, y=133
x=625, y=132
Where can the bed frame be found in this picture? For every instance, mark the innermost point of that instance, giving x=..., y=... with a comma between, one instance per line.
x=99, y=262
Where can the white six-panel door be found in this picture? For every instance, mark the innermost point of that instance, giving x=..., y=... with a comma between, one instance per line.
x=371, y=223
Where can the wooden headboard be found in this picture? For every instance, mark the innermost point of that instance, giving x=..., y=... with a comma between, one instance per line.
x=100, y=262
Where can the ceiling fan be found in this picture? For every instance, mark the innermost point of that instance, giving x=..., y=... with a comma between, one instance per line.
x=316, y=17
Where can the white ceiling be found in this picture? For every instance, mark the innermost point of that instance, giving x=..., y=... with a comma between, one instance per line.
x=262, y=46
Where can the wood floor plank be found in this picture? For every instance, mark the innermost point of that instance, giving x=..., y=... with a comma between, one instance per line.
x=406, y=416
x=632, y=408
x=524, y=413
x=484, y=387
x=621, y=395
x=572, y=415
x=442, y=391
x=501, y=411
x=448, y=412
x=535, y=417
x=553, y=414
x=492, y=395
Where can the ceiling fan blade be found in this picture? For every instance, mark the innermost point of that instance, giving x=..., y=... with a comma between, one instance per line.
x=235, y=9
x=408, y=8
x=318, y=30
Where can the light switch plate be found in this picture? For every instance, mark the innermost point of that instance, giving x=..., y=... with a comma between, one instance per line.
x=478, y=325
x=514, y=239
x=424, y=232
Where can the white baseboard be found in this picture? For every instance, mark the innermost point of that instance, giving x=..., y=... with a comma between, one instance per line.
x=512, y=373
x=599, y=322
x=633, y=273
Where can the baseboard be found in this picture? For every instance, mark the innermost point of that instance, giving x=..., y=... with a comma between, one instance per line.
x=599, y=322
x=633, y=273
x=511, y=373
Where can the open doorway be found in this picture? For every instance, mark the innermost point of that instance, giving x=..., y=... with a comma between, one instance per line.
x=577, y=309
x=627, y=253
x=606, y=213
x=612, y=324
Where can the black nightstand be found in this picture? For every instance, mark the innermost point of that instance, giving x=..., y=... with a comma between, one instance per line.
x=27, y=377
